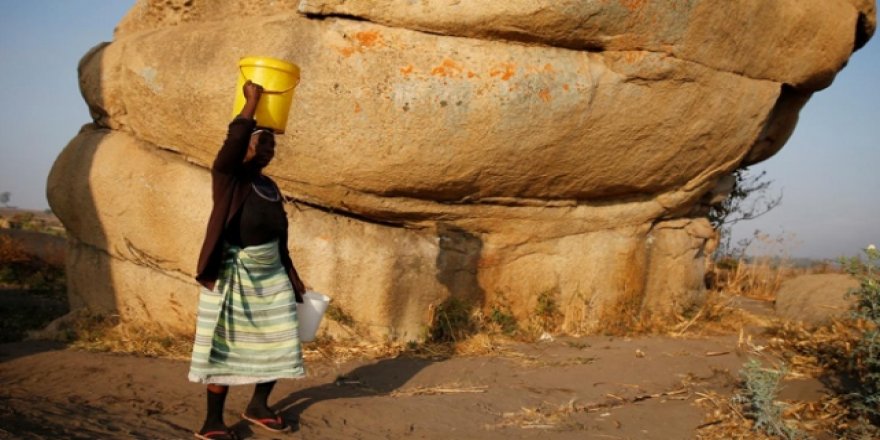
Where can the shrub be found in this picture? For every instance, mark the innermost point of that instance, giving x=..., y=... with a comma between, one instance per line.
x=761, y=386
x=452, y=321
x=21, y=270
x=864, y=361
x=547, y=311
x=339, y=315
x=502, y=317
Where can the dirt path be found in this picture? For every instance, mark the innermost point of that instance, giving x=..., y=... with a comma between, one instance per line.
x=595, y=387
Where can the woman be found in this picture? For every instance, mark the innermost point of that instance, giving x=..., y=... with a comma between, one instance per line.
x=246, y=331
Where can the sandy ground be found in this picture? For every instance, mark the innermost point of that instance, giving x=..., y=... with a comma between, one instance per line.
x=593, y=387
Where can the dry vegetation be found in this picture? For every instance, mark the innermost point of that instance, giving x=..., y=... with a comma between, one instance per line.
x=843, y=355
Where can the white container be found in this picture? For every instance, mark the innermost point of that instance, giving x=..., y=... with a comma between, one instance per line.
x=309, y=314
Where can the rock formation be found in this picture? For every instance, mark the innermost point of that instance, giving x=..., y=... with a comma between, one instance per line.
x=494, y=152
x=816, y=299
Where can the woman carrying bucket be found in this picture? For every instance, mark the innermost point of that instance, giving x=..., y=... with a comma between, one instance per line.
x=246, y=331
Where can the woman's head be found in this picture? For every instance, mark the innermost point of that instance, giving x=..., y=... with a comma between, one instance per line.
x=261, y=148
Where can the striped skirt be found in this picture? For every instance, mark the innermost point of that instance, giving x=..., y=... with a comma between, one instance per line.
x=247, y=326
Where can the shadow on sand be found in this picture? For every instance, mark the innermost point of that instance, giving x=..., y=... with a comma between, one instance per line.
x=376, y=379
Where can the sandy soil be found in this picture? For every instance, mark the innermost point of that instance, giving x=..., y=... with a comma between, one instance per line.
x=594, y=387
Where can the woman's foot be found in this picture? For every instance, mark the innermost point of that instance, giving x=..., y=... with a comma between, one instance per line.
x=259, y=413
x=214, y=428
x=266, y=419
x=216, y=434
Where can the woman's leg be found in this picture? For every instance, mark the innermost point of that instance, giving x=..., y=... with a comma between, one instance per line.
x=216, y=401
x=258, y=410
x=259, y=405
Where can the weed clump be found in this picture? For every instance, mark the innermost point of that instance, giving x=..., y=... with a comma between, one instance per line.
x=452, y=321
x=339, y=315
x=761, y=386
x=503, y=318
x=547, y=309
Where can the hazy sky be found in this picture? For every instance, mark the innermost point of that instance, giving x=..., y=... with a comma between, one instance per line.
x=828, y=171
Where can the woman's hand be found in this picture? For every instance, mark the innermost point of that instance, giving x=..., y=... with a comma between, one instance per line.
x=298, y=286
x=252, y=93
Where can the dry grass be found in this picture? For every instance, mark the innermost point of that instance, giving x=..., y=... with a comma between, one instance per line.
x=560, y=417
x=724, y=419
x=90, y=331
x=812, y=352
x=760, y=278
x=716, y=316
x=437, y=390
x=819, y=353
x=328, y=349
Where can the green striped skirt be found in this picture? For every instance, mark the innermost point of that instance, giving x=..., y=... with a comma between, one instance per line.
x=247, y=326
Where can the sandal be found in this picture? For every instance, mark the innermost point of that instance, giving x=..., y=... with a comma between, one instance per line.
x=216, y=435
x=273, y=424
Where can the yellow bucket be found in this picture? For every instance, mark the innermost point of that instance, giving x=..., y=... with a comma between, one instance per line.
x=278, y=79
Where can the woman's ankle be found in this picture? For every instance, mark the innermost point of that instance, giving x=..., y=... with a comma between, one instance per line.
x=259, y=410
x=213, y=425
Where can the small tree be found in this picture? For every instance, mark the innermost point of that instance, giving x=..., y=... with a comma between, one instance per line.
x=4, y=198
x=749, y=199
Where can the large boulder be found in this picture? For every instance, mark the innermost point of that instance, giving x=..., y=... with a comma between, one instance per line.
x=816, y=299
x=498, y=152
x=393, y=121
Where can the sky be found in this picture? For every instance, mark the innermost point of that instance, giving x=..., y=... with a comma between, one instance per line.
x=828, y=172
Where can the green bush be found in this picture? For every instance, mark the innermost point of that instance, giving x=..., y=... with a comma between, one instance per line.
x=864, y=361
x=547, y=312
x=504, y=319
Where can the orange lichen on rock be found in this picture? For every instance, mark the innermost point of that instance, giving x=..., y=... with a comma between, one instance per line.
x=347, y=51
x=407, y=69
x=364, y=39
x=505, y=71
x=545, y=96
x=633, y=5
x=447, y=68
x=368, y=38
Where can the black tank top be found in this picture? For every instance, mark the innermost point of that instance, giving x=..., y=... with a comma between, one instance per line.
x=259, y=220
